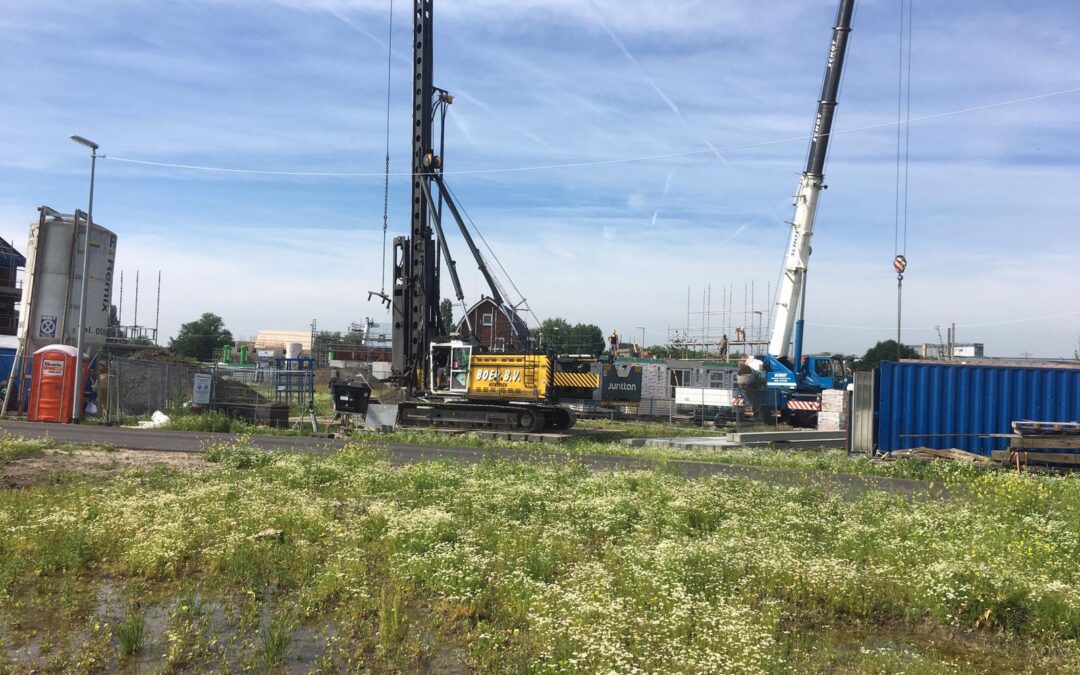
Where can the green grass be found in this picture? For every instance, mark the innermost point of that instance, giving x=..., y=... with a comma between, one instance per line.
x=13, y=448
x=130, y=631
x=515, y=567
x=827, y=460
x=651, y=429
x=274, y=641
x=219, y=422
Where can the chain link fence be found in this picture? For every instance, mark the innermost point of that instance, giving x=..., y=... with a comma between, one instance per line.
x=137, y=388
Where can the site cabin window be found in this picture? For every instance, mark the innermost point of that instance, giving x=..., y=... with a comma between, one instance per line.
x=717, y=379
x=678, y=377
x=487, y=319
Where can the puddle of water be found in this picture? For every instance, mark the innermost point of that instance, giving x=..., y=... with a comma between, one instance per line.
x=227, y=623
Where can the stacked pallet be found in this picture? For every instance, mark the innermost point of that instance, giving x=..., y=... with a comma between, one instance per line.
x=832, y=417
x=1042, y=443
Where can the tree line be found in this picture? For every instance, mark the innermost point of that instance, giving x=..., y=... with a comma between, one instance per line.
x=200, y=339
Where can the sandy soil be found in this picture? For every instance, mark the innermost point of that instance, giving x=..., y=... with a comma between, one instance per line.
x=102, y=464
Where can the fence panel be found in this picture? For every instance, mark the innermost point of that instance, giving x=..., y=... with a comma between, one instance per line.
x=138, y=388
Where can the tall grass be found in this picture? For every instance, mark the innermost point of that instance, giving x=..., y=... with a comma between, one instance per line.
x=131, y=631
x=553, y=568
x=213, y=421
x=13, y=447
x=274, y=640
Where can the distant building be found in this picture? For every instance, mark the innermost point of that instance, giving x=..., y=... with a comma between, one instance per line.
x=278, y=340
x=11, y=262
x=969, y=350
x=492, y=326
x=378, y=334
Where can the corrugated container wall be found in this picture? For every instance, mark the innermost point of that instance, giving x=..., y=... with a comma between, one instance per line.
x=955, y=403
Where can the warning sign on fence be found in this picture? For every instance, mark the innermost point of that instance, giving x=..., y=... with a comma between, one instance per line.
x=201, y=393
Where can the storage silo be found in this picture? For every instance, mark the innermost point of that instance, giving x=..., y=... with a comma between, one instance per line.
x=52, y=284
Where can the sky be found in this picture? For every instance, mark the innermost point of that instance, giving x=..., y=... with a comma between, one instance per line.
x=623, y=159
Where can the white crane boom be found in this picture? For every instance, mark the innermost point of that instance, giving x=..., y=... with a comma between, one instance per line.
x=792, y=284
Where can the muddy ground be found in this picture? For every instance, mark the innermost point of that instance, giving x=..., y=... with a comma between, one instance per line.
x=47, y=466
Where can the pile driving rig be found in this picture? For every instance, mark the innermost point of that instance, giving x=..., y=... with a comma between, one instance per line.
x=446, y=381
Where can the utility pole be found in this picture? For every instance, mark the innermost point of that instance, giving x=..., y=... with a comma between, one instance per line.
x=76, y=408
x=157, y=308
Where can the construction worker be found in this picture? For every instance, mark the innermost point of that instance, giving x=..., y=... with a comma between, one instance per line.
x=724, y=347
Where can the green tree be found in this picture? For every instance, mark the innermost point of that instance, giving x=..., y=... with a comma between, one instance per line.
x=198, y=339
x=885, y=351
x=446, y=311
x=552, y=333
x=579, y=338
x=586, y=338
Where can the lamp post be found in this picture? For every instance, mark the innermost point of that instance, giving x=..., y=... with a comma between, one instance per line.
x=76, y=408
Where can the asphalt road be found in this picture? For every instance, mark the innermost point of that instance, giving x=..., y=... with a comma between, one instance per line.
x=403, y=453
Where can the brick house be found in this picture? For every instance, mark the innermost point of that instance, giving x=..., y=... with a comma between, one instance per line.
x=492, y=325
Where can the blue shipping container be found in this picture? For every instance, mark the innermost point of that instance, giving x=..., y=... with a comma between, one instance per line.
x=959, y=402
x=7, y=362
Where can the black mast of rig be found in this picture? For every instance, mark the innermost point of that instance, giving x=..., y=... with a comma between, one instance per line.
x=415, y=302
x=416, y=279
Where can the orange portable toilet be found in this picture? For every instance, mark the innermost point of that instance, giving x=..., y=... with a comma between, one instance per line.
x=52, y=384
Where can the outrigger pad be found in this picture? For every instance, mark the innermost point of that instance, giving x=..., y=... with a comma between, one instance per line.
x=381, y=417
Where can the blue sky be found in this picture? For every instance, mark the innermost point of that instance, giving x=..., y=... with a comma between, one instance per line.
x=300, y=86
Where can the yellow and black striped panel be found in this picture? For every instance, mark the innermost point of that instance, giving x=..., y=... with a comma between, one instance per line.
x=578, y=380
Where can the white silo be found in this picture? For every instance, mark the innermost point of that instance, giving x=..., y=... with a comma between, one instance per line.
x=52, y=284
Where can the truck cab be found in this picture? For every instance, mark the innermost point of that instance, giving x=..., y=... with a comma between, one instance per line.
x=824, y=372
x=814, y=374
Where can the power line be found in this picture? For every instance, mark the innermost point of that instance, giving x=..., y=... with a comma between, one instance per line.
x=498, y=262
x=591, y=163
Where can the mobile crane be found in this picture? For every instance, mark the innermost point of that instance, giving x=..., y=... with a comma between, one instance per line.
x=799, y=381
x=443, y=380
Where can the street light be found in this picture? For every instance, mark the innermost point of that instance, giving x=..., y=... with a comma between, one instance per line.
x=76, y=408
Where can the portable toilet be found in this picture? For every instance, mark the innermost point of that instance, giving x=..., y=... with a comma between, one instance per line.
x=52, y=384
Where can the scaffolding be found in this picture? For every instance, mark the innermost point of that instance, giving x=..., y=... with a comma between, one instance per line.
x=743, y=329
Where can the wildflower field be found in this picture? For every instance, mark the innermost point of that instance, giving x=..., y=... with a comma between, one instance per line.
x=345, y=562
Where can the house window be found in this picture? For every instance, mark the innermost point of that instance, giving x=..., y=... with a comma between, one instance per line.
x=487, y=319
x=500, y=344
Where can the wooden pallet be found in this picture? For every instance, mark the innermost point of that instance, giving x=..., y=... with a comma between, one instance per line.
x=1025, y=457
x=1049, y=441
x=936, y=453
x=1028, y=427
